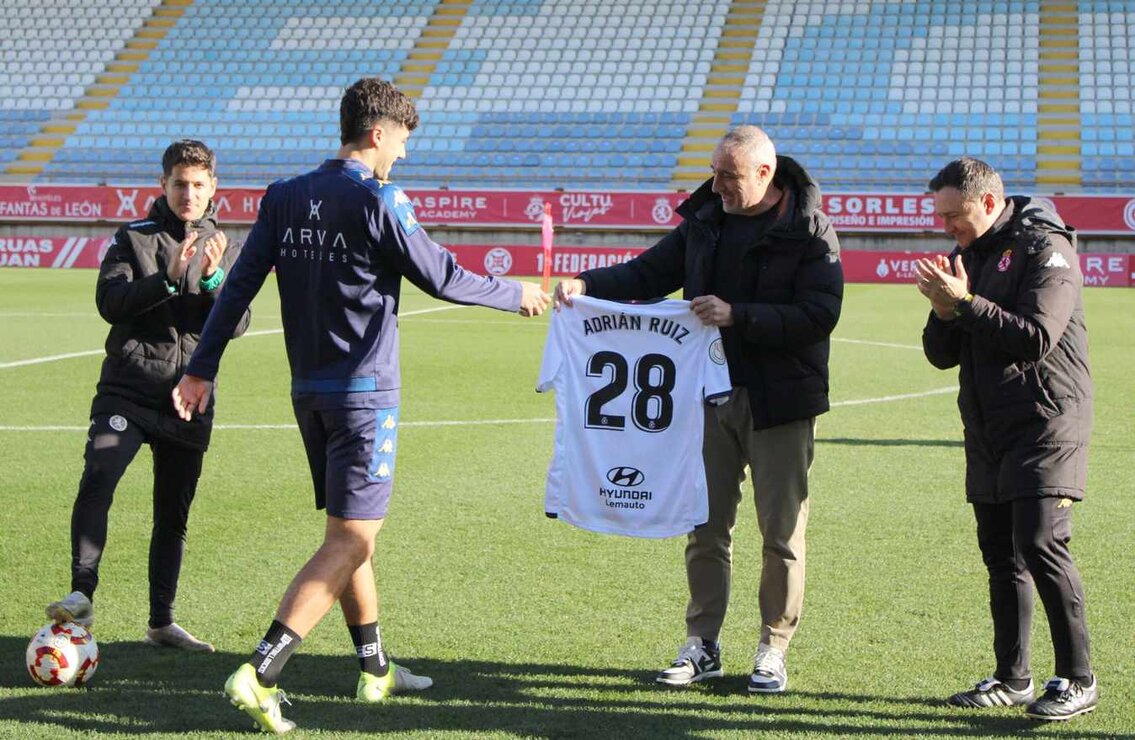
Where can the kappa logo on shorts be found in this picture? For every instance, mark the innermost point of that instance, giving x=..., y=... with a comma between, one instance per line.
x=118, y=423
x=385, y=444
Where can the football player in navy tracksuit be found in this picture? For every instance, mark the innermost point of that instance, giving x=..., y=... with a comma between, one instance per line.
x=341, y=241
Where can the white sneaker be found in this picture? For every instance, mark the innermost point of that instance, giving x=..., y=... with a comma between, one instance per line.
x=75, y=607
x=175, y=637
x=769, y=674
x=398, y=680
x=696, y=661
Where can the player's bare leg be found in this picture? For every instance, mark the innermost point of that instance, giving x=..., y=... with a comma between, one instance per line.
x=379, y=676
x=360, y=598
x=348, y=544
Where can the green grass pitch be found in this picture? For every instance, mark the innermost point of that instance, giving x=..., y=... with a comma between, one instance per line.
x=529, y=627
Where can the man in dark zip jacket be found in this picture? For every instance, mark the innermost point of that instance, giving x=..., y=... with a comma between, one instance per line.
x=756, y=257
x=156, y=286
x=1007, y=311
x=341, y=239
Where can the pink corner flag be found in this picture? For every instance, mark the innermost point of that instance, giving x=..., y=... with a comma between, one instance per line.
x=546, y=242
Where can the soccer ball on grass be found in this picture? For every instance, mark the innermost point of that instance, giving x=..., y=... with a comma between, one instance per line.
x=62, y=655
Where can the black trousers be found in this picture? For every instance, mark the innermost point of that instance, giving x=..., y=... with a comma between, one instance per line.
x=112, y=443
x=1023, y=542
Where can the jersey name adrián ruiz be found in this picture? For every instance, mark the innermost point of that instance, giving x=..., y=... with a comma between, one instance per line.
x=631, y=383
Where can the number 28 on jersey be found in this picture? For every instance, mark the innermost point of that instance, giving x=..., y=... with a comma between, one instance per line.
x=631, y=383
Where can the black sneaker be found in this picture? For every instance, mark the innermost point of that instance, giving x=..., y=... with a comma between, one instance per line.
x=1064, y=699
x=991, y=693
x=697, y=660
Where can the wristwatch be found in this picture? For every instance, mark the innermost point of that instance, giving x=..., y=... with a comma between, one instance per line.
x=962, y=305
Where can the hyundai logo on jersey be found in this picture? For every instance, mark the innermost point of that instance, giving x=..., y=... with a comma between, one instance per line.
x=625, y=476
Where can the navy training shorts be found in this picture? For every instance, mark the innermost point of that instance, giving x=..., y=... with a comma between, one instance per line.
x=351, y=456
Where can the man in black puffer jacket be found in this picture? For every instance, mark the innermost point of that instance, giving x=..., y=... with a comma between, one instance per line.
x=156, y=285
x=757, y=258
x=1007, y=310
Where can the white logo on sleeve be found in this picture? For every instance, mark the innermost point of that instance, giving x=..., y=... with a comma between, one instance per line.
x=1057, y=260
x=118, y=423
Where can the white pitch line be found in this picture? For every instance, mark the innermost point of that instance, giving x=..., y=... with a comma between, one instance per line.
x=877, y=344
x=44, y=314
x=901, y=397
x=261, y=333
x=43, y=429
x=267, y=427
x=473, y=422
x=494, y=322
x=427, y=424
x=51, y=358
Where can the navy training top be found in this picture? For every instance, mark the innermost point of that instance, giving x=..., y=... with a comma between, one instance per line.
x=340, y=242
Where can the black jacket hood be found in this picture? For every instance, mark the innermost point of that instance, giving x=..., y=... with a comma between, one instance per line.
x=802, y=201
x=1030, y=221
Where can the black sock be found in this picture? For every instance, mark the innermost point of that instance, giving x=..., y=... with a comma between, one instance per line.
x=273, y=652
x=1084, y=681
x=368, y=646
x=1016, y=684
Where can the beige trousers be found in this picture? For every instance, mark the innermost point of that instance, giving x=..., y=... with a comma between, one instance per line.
x=779, y=459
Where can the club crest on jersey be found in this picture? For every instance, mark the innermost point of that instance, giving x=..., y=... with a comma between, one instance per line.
x=401, y=206
x=717, y=352
x=118, y=423
x=1005, y=261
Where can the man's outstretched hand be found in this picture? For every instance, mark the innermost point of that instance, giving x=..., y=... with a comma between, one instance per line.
x=533, y=300
x=191, y=394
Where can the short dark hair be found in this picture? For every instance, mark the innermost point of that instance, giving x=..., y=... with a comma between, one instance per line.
x=369, y=101
x=970, y=176
x=191, y=153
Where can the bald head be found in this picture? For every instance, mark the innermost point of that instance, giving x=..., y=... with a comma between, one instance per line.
x=744, y=164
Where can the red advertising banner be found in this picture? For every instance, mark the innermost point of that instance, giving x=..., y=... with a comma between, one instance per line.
x=851, y=212
x=525, y=260
x=42, y=251
x=1113, y=270
x=858, y=266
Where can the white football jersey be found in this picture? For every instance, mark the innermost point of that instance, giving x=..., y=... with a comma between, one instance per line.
x=631, y=383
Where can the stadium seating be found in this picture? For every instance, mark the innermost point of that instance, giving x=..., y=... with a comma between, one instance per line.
x=46, y=64
x=1107, y=79
x=264, y=92
x=880, y=94
x=573, y=93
